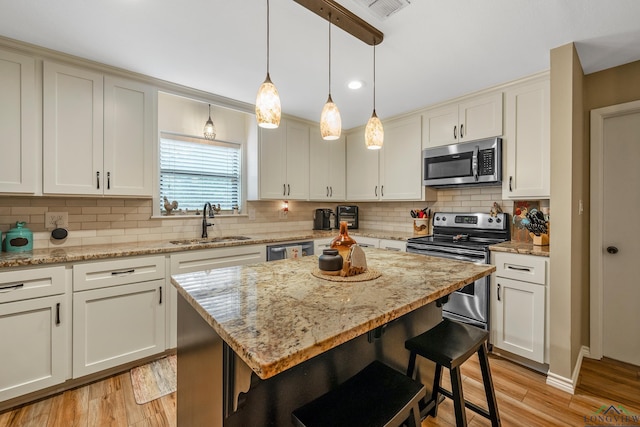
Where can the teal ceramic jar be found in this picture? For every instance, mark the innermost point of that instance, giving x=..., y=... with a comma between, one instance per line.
x=19, y=239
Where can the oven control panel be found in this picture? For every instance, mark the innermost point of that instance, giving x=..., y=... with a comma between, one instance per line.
x=471, y=220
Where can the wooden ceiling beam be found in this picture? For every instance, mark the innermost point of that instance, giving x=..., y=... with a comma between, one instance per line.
x=345, y=19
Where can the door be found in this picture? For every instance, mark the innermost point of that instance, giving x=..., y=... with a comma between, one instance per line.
x=33, y=352
x=401, y=161
x=273, y=145
x=72, y=130
x=362, y=169
x=621, y=202
x=116, y=325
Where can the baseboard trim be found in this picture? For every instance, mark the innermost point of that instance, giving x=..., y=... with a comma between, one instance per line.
x=569, y=384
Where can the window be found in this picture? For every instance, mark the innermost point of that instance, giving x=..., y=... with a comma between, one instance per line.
x=194, y=171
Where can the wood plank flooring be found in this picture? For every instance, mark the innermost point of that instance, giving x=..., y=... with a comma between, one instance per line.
x=524, y=399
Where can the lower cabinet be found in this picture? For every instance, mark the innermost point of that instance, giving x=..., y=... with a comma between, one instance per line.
x=34, y=336
x=519, y=305
x=119, y=311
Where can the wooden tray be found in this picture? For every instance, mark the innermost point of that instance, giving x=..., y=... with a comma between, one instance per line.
x=370, y=274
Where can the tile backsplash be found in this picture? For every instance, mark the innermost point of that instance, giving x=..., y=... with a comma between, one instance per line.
x=113, y=221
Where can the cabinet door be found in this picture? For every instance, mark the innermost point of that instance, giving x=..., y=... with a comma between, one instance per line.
x=527, y=141
x=520, y=318
x=326, y=168
x=393, y=245
x=297, y=161
x=34, y=336
x=440, y=126
x=72, y=130
x=401, y=161
x=116, y=325
x=17, y=123
x=362, y=169
x=273, y=162
x=480, y=117
x=128, y=138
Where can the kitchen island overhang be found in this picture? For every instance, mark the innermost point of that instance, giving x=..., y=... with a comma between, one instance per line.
x=276, y=316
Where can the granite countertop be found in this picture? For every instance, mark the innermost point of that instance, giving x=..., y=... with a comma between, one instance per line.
x=523, y=248
x=276, y=315
x=95, y=252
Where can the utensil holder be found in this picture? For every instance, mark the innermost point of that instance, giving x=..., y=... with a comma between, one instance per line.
x=421, y=226
x=541, y=240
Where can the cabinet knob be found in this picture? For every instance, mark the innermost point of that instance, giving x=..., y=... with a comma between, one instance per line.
x=612, y=250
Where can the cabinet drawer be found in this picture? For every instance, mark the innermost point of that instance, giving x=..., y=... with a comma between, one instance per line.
x=526, y=268
x=95, y=275
x=208, y=259
x=31, y=283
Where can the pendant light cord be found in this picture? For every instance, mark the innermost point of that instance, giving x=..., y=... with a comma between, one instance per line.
x=374, y=76
x=329, y=54
x=268, y=37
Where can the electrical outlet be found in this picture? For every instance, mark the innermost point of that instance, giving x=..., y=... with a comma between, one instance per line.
x=56, y=220
x=252, y=214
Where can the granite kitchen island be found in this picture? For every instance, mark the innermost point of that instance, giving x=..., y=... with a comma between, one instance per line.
x=256, y=341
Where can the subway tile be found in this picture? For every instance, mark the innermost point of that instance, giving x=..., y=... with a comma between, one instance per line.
x=110, y=217
x=95, y=225
x=81, y=202
x=96, y=210
x=109, y=202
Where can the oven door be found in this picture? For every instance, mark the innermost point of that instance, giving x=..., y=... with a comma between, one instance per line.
x=471, y=303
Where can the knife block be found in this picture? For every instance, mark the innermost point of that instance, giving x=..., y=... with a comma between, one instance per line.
x=541, y=240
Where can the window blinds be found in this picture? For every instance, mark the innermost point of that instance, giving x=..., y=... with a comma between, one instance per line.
x=194, y=171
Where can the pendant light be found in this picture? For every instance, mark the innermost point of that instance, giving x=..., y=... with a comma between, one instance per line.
x=268, y=110
x=330, y=121
x=209, y=128
x=374, y=133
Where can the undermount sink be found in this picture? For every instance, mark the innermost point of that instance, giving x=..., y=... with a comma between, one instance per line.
x=211, y=240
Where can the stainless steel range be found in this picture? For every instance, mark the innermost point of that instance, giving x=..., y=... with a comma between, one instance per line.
x=465, y=237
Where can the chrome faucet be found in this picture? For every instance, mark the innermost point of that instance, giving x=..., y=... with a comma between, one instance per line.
x=206, y=224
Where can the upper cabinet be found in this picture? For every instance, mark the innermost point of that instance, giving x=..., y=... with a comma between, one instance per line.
x=473, y=118
x=392, y=173
x=284, y=161
x=18, y=118
x=97, y=133
x=327, y=173
x=526, y=141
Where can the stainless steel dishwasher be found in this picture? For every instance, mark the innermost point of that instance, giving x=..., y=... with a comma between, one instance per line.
x=289, y=250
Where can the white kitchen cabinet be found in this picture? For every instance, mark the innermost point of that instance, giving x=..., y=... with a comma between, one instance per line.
x=391, y=173
x=526, y=141
x=119, y=311
x=284, y=161
x=97, y=133
x=18, y=117
x=362, y=169
x=469, y=119
x=35, y=327
x=519, y=305
x=393, y=245
x=327, y=168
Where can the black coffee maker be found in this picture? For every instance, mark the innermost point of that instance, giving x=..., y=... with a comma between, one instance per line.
x=322, y=219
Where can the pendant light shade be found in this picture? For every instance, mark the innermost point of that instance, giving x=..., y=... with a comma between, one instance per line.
x=330, y=120
x=268, y=110
x=373, y=132
x=209, y=128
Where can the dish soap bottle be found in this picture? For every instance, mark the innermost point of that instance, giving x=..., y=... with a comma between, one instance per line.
x=343, y=242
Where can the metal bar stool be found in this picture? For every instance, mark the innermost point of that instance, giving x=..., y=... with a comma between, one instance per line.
x=377, y=396
x=449, y=344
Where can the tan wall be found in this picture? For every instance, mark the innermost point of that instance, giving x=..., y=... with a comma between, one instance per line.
x=568, y=187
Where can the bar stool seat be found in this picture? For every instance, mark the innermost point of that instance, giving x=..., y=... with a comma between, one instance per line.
x=376, y=396
x=450, y=344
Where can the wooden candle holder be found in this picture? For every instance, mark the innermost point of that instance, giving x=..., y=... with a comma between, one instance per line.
x=541, y=240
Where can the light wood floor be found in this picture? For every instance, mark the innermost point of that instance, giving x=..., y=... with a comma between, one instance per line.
x=524, y=399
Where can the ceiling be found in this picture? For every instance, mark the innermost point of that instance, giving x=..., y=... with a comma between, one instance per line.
x=433, y=50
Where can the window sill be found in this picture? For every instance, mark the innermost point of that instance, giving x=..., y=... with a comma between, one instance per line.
x=190, y=216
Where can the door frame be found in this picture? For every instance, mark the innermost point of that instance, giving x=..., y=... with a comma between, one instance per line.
x=596, y=246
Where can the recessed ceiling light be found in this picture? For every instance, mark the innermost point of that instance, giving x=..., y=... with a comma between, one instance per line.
x=355, y=84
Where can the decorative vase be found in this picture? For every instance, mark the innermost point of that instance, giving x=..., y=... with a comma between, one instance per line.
x=343, y=242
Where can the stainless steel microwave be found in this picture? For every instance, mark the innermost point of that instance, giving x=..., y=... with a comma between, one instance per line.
x=468, y=163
